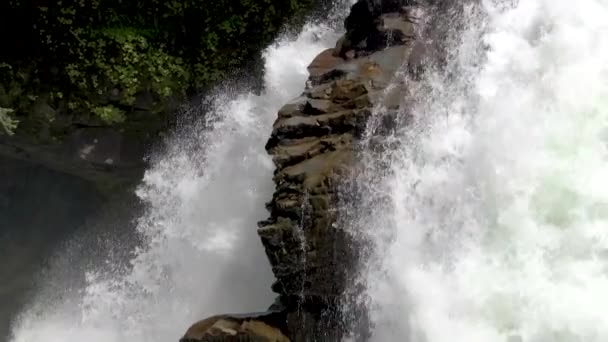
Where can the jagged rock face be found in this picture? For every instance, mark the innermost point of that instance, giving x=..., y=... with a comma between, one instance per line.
x=313, y=145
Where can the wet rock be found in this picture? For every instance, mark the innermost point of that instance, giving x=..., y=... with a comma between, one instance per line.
x=363, y=20
x=290, y=152
x=321, y=91
x=100, y=155
x=388, y=6
x=293, y=107
x=316, y=106
x=324, y=64
x=318, y=126
x=373, y=25
x=399, y=23
x=235, y=328
x=347, y=90
x=313, y=145
x=417, y=60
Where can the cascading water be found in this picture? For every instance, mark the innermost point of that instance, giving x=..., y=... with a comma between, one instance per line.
x=492, y=224
x=201, y=254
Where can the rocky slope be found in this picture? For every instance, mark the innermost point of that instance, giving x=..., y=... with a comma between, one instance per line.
x=313, y=145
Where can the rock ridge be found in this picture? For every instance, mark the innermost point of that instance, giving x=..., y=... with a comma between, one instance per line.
x=313, y=146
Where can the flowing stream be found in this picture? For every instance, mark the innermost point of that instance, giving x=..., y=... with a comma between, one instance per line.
x=200, y=254
x=489, y=222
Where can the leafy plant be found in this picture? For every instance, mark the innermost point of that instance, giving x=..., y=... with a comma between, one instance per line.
x=109, y=114
x=7, y=123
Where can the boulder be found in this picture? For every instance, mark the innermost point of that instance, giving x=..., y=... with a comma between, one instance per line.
x=235, y=328
x=369, y=28
x=325, y=62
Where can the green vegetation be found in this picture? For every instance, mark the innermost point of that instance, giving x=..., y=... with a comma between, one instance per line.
x=7, y=123
x=97, y=62
x=109, y=114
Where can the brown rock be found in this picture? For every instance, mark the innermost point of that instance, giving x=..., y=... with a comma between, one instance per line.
x=317, y=106
x=298, y=150
x=227, y=328
x=208, y=327
x=400, y=23
x=321, y=91
x=324, y=63
x=347, y=90
x=339, y=47
x=293, y=107
x=264, y=331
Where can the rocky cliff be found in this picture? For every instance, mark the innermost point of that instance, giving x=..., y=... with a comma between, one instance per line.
x=313, y=145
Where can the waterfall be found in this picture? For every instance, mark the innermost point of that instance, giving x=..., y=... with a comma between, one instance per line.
x=482, y=207
x=488, y=221
x=200, y=253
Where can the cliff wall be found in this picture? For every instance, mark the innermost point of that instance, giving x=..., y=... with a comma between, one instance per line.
x=314, y=147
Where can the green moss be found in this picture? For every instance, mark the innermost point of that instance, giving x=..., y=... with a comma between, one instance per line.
x=7, y=123
x=109, y=114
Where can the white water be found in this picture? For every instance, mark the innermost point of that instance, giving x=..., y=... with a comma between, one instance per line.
x=201, y=255
x=497, y=225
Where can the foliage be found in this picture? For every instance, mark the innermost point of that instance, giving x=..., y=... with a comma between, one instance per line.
x=133, y=66
x=7, y=123
x=94, y=59
x=109, y=114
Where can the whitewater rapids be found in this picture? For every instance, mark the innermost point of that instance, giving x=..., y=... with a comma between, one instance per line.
x=494, y=224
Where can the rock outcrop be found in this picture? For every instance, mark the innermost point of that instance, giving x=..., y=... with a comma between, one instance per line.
x=313, y=145
x=103, y=156
x=261, y=327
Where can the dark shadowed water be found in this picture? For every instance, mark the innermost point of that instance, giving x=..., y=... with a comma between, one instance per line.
x=41, y=211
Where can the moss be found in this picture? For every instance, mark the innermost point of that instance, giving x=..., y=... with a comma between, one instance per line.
x=109, y=114
x=7, y=123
